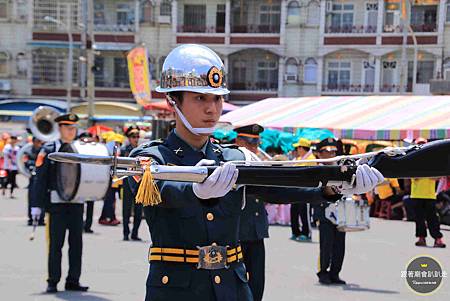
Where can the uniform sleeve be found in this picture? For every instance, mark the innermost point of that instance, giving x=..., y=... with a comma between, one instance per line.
x=41, y=182
x=173, y=194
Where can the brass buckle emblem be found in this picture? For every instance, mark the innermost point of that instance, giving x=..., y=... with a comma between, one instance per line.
x=212, y=257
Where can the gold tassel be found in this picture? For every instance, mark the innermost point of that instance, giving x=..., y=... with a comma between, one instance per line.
x=148, y=193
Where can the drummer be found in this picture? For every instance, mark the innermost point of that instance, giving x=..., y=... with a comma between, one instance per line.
x=61, y=216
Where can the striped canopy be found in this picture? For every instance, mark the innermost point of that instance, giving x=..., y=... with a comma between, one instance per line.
x=354, y=117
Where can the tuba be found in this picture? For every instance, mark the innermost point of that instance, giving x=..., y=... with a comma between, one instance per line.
x=43, y=127
x=42, y=124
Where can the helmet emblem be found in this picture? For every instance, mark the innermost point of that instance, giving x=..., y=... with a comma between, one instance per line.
x=215, y=77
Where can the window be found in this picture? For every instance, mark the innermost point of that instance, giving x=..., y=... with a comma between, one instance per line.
x=147, y=12
x=425, y=72
x=339, y=75
x=389, y=73
x=447, y=68
x=310, y=72
x=220, y=18
x=371, y=17
x=3, y=9
x=99, y=13
x=369, y=75
x=293, y=13
x=291, y=70
x=267, y=75
x=424, y=18
x=313, y=13
x=124, y=14
x=4, y=57
x=50, y=66
x=22, y=10
x=269, y=18
x=165, y=8
x=21, y=65
x=238, y=75
x=98, y=69
x=194, y=18
x=447, y=19
x=121, y=73
x=391, y=17
x=160, y=67
x=62, y=11
x=342, y=16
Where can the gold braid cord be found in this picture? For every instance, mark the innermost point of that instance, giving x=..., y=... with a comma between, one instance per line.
x=148, y=193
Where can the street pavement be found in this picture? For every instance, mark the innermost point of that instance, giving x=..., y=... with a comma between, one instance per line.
x=117, y=270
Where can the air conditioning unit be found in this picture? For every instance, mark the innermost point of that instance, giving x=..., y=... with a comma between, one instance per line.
x=329, y=6
x=5, y=85
x=289, y=77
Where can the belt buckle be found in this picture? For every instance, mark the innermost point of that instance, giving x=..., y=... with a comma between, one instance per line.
x=212, y=257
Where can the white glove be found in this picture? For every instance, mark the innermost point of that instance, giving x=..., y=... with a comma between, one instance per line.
x=219, y=183
x=367, y=178
x=36, y=213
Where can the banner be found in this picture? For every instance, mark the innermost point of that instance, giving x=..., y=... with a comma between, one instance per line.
x=139, y=75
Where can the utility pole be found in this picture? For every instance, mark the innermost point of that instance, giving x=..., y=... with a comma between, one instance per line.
x=89, y=12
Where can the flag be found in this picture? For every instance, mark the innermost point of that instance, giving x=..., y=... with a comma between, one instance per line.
x=139, y=75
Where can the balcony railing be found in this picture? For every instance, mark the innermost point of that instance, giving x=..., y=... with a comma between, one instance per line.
x=347, y=88
x=254, y=86
x=200, y=29
x=415, y=28
x=118, y=83
x=255, y=28
x=115, y=27
x=351, y=29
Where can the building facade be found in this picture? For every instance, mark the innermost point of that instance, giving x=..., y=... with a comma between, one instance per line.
x=270, y=47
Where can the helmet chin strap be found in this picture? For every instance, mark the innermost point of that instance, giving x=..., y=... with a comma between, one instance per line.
x=195, y=131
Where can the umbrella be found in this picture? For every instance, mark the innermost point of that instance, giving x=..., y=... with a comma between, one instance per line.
x=98, y=129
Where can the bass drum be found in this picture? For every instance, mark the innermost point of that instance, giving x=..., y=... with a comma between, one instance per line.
x=77, y=183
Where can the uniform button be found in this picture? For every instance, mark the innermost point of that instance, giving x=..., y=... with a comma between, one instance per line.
x=165, y=280
x=210, y=216
x=217, y=279
x=257, y=201
x=214, y=244
x=248, y=276
x=257, y=214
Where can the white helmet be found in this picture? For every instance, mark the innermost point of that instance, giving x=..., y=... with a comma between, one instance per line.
x=193, y=68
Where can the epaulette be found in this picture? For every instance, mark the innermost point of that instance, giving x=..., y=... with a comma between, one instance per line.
x=231, y=145
x=152, y=143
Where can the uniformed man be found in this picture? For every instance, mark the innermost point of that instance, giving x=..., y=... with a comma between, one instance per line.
x=61, y=216
x=127, y=197
x=254, y=225
x=195, y=226
x=30, y=164
x=332, y=241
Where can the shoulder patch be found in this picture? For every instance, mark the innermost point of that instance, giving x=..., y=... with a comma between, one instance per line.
x=40, y=158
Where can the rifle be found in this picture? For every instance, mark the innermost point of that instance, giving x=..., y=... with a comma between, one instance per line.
x=416, y=161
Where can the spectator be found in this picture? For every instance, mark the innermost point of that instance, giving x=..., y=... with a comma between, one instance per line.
x=10, y=165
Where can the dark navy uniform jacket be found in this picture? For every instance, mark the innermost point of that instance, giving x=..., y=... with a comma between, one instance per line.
x=180, y=221
x=254, y=221
x=45, y=180
x=126, y=150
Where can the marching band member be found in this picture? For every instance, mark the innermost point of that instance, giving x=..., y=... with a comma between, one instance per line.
x=195, y=226
x=61, y=216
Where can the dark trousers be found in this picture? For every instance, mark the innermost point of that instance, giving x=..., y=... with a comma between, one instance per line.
x=89, y=215
x=109, y=204
x=62, y=218
x=254, y=259
x=30, y=196
x=129, y=204
x=426, y=211
x=12, y=180
x=299, y=209
x=332, y=248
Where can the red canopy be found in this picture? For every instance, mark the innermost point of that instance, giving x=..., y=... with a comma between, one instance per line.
x=96, y=130
x=162, y=106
